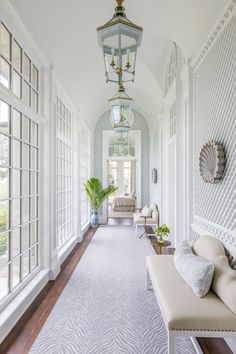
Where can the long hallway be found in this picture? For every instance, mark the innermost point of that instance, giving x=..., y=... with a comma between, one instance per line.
x=116, y=114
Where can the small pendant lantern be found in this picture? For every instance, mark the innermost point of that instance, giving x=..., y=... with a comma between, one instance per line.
x=122, y=116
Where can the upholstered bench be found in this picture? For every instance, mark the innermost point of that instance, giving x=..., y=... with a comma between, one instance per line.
x=184, y=313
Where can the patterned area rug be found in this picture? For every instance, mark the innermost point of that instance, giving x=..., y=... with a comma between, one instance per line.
x=105, y=308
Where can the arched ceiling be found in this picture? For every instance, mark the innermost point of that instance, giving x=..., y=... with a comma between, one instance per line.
x=65, y=31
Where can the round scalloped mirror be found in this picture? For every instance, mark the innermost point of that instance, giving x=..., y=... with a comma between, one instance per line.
x=212, y=162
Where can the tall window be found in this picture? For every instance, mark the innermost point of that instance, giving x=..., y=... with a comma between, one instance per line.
x=19, y=168
x=18, y=198
x=172, y=122
x=127, y=177
x=84, y=175
x=113, y=175
x=17, y=72
x=64, y=174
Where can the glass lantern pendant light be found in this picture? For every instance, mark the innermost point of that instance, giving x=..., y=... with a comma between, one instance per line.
x=121, y=117
x=119, y=39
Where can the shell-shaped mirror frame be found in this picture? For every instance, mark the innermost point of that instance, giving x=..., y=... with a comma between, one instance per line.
x=212, y=162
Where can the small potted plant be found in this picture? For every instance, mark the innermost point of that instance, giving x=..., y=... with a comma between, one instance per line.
x=162, y=232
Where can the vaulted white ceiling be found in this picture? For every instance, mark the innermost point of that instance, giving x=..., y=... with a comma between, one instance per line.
x=65, y=31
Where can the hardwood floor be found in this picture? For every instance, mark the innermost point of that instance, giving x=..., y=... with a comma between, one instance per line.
x=21, y=338
x=214, y=346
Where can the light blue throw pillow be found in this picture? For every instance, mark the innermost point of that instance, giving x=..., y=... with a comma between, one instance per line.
x=196, y=271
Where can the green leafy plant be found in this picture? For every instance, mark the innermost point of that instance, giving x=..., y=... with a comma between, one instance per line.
x=3, y=244
x=162, y=232
x=96, y=194
x=3, y=219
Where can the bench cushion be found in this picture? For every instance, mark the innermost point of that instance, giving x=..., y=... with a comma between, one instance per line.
x=181, y=309
x=224, y=279
x=196, y=271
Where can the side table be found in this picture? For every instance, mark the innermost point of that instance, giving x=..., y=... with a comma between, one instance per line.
x=160, y=244
x=145, y=224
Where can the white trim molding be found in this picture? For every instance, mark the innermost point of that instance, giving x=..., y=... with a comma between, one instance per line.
x=214, y=34
x=223, y=234
x=201, y=226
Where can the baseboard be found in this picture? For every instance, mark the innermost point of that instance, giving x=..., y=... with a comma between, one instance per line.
x=66, y=250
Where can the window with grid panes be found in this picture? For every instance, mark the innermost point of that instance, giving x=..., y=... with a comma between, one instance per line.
x=172, y=122
x=64, y=174
x=17, y=72
x=19, y=243
x=84, y=175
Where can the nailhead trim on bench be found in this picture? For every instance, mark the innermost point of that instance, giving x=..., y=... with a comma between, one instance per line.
x=205, y=330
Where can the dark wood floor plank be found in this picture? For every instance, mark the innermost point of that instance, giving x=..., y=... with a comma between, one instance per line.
x=214, y=346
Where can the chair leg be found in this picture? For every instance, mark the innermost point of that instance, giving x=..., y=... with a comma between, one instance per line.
x=171, y=343
x=149, y=282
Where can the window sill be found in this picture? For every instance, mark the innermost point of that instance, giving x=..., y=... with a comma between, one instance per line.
x=17, y=307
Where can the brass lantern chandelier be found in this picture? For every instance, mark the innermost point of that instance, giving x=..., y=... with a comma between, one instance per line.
x=119, y=39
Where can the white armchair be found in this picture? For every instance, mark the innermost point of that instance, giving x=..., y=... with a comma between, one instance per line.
x=153, y=220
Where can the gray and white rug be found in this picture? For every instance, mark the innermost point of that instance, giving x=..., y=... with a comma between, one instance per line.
x=104, y=308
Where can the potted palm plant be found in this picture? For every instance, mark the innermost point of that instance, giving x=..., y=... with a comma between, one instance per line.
x=96, y=195
x=162, y=232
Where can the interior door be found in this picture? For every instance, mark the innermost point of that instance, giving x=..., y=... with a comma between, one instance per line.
x=121, y=174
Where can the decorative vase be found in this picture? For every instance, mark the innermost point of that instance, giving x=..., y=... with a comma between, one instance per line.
x=160, y=239
x=94, y=219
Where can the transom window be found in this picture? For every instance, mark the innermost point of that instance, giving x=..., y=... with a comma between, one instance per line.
x=121, y=145
x=64, y=174
x=17, y=71
x=19, y=173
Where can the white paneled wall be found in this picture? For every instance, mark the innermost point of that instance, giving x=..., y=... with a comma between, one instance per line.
x=205, y=94
x=215, y=118
x=214, y=103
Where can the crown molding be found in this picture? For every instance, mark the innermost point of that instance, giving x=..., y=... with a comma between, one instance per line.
x=221, y=23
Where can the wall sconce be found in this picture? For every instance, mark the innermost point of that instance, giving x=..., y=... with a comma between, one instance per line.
x=154, y=175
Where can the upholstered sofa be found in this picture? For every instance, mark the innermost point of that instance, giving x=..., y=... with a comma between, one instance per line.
x=153, y=220
x=185, y=314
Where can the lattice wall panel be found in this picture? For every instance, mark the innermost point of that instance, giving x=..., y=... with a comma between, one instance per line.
x=215, y=118
x=139, y=124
